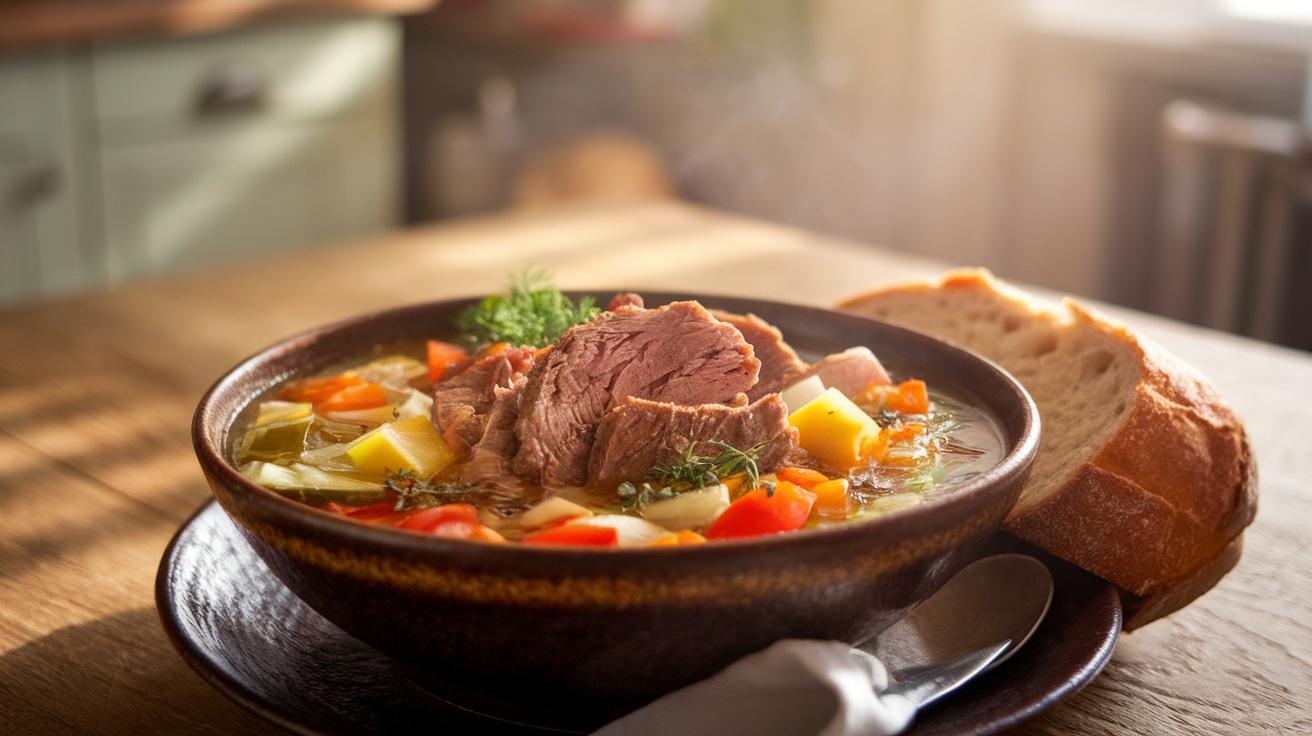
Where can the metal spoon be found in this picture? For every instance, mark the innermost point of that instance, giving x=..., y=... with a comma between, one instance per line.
x=972, y=624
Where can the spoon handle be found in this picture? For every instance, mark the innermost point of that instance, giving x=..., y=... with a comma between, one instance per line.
x=923, y=685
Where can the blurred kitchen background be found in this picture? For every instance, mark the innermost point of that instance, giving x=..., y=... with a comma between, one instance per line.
x=1151, y=153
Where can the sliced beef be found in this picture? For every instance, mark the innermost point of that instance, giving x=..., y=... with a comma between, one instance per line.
x=851, y=371
x=778, y=359
x=489, y=459
x=461, y=402
x=677, y=353
x=638, y=434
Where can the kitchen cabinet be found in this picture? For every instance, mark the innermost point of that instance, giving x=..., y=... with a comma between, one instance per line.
x=41, y=243
x=120, y=160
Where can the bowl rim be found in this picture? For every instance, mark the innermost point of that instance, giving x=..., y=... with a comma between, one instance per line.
x=209, y=446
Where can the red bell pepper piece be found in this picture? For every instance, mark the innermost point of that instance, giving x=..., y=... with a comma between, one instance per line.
x=761, y=511
x=584, y=534
x=454, y=520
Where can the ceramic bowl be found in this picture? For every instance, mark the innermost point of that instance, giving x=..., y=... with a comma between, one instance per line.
x=615, y=623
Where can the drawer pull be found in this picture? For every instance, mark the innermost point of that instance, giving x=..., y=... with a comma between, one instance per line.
x=236, y=87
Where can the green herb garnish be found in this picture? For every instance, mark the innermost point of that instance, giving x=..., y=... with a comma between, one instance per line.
x=533, y=312
x=695, y=471
x=414, y=493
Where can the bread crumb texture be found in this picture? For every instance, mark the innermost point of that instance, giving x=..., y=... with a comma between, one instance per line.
x=1144, y=474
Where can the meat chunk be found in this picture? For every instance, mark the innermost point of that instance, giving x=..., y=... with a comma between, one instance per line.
x=638, y=434
x=627, y=299
x=677, y=354
x=489, y=459
x=851, y=371
x=461, y=402
x=778, y=359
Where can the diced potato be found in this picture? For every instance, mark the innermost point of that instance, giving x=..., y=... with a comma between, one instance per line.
x=803, y=392
x=550, y=510
x=409, y=445
x=632, y=530
x=689, y=510
x=833, y=428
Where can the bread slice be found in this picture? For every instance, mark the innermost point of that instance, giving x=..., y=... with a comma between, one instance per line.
x=1144, y=474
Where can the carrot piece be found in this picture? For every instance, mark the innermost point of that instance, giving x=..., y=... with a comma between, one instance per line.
x=315, y=390
x=352, y=398
x=442, y=356
x=831, y=499
x=909, y=397
x=454, y=520
x=581, y=534
x=804, y=477
x=761, y=511
x=673, y=539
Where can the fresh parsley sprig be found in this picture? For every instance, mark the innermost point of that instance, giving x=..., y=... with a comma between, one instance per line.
x=532, y=312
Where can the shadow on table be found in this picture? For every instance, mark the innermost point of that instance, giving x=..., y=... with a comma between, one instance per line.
x=118, y=674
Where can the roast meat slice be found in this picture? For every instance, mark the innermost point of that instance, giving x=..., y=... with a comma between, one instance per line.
x=461, y=402
x=638, y=434
x=489, y=460
x=677, y=353
x=852, y=371
x=778, y=359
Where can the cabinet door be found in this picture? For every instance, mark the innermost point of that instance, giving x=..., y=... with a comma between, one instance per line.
x=204, y=200
x=40, y=245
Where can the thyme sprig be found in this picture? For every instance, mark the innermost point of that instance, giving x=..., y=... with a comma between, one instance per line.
x=691, y=472
x=699, y=471
x=413, y=492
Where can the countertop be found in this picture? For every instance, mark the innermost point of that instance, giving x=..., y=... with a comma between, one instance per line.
x=26, y=24
x=97, y=470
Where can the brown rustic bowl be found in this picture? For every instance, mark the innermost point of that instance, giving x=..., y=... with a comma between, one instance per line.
x=618, y=623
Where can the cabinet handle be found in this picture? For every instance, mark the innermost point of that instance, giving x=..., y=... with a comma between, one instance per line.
x=235, y=87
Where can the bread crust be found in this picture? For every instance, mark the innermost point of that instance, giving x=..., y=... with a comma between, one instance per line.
x=1159, y=508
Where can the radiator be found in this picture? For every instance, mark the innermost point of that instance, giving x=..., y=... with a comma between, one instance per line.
x=1234, y=248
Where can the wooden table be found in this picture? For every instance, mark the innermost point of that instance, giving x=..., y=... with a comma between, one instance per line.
x=97, y=470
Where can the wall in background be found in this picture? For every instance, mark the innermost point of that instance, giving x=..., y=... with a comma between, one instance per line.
x=1021, y=136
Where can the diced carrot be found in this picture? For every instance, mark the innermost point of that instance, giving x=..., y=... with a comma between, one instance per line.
x=831, y=499
x=315, y=390
x=454, y=520
x=686, y=536
x=352, y=398
x=878, y=450
x=909, y=397
x=804, y=477
x=581, y=534
x=442, y=356
x=761, y=511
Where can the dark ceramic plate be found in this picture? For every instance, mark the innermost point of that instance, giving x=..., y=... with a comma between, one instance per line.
x=257, y=643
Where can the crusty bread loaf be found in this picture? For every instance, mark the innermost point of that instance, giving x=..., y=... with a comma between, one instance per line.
x=1144, y=475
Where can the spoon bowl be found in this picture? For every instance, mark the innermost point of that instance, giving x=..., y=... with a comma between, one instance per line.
x=972, y=624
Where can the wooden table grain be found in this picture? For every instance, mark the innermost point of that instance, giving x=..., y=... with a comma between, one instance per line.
x=97, y=470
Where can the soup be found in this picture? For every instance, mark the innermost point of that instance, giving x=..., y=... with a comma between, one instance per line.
x=664, y=426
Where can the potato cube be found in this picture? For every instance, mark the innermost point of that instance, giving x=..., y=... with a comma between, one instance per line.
x=833, y=428
x=409, y=445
